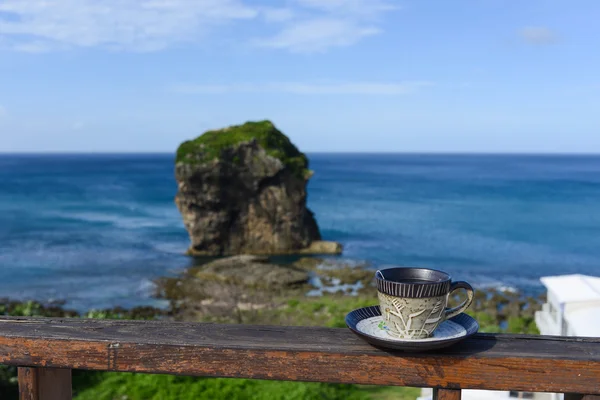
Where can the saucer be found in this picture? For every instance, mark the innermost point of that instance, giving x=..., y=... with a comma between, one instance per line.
x=368, y=323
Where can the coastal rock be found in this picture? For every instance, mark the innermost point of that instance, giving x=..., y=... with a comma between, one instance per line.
x=242, y=190
x=322, y=247
x=254, y=272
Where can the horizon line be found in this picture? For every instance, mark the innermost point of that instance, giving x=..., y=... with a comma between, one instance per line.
x=340, y=152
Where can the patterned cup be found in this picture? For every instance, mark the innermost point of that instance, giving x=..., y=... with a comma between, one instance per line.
x=413, y=300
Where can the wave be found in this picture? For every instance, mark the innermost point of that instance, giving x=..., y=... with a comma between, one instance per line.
x=177, y=248
x=159, y=220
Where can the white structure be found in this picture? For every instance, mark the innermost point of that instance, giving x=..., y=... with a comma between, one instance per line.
x=572, y=309
x=471, y=394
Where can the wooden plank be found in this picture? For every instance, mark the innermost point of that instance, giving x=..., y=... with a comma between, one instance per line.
x=495, y=362
x=54, y=383
x=28, y=385
x=575, y=396
x=446, y=394
x=44, y=384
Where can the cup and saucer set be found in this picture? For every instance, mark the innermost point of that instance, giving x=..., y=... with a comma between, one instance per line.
x=412, y=314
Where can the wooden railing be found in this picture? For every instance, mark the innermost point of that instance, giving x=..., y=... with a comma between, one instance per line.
x=46, y=349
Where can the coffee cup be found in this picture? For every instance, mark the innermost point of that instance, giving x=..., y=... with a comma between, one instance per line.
x=413, y=301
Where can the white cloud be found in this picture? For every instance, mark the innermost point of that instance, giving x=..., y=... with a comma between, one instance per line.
x=537, y=35
x=318, y=35
x=151, y=25
x=363, y=8
x=322, y=24
x=363, y=88
x=139, y=25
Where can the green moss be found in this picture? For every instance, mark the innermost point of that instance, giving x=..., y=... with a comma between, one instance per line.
x=210, y=145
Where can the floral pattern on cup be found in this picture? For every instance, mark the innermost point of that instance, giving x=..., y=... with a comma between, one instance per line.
x=413, y=300
x=412, y=318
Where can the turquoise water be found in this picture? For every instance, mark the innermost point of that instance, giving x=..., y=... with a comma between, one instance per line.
x=95, y=230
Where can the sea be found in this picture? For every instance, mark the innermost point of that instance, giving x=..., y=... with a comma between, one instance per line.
x=97, y=230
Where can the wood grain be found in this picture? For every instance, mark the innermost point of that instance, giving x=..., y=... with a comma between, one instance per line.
x=44, y=384
x=446, y=394
x=28, y=385
x=486, y=361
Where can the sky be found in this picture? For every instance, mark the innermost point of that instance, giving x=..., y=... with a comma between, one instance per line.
x=334, y=75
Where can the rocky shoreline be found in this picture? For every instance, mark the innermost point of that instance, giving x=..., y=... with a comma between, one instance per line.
x=301, y=291
x=251, y=289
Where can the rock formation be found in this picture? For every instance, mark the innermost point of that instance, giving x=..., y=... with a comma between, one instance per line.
x=253, y=272
x=242, y=190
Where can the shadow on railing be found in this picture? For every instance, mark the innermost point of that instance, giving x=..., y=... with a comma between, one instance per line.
x=46, y=349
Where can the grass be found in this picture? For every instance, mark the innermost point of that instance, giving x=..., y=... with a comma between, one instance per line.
x=210, y=145
x=330, y=311
x=112, y=386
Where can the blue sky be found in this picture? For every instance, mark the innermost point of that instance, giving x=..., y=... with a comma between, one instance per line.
x=334, y=75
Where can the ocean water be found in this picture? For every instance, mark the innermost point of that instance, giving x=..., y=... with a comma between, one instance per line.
x=95, y=230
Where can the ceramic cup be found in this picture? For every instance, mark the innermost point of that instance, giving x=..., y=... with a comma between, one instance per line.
x=413, y=300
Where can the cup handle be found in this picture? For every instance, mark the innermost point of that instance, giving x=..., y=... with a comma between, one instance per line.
x=451, y=312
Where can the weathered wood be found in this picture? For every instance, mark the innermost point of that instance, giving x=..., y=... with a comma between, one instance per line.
x=28, y=385
x=54, y=383
x=446, y=394
x=487, y=361
x=44, y=384
x=575, y=396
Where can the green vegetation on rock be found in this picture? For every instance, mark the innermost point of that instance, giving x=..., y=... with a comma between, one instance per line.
x=210, y=145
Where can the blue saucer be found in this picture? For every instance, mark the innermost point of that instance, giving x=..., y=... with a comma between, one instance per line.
x=368, y=324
